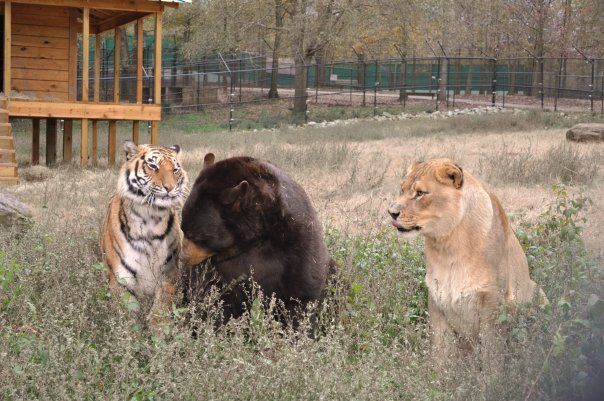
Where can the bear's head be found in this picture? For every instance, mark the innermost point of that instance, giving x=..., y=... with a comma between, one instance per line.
x=231, y=204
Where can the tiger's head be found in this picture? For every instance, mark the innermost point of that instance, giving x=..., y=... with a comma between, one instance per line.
x=153, y=175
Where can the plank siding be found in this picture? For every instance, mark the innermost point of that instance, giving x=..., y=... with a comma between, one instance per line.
x=40, y=53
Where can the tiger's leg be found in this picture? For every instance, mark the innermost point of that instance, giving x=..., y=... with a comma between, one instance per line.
x=164, y=297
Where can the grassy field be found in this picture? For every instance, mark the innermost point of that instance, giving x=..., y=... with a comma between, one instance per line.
x=63, y=336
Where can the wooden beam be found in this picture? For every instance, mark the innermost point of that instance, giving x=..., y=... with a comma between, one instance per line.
x=7, y=47
x=116, y=65
x=157, y=59
x=135, y=131
x=35, y=141
x=118, y=21
x=154, y=132
x=97, y=69
x=67, y=141
x=51, y=141
x=85, y=52
x=115, y=5
x=94, y=146
x=84, y=143
x=95, y=111
x=112, y=142
x=139, y=60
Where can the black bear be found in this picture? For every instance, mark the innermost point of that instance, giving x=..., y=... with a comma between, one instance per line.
x=253, y=222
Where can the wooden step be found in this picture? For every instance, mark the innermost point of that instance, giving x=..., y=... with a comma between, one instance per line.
x=9, y=180
x=6, y=142
x=8, y=170
x=3, y=103
x=8, y=156
x=3, y=116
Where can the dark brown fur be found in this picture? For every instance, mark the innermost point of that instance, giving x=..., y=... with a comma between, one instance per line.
x=259, y=224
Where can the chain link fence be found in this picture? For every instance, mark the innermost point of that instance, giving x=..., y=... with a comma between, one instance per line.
x=236, y=81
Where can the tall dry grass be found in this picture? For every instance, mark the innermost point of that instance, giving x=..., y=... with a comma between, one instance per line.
x=64, y=336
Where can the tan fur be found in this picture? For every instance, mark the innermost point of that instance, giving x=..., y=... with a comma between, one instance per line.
x=474, y=261
x=192, y=254
x=140, y=237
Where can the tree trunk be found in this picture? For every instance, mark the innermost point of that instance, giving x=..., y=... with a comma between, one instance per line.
x=512, y=74
x=444, y=79
x=273, y=93
x=300, y=93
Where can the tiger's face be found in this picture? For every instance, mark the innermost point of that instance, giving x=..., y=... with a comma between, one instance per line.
x=153, y=175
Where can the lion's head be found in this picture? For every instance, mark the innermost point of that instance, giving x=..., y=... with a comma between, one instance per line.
x=430, y=199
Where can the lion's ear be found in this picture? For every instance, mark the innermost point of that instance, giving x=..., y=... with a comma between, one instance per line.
x=208, y=160
x=412, y=166
x=230, y=195
x=450, y=174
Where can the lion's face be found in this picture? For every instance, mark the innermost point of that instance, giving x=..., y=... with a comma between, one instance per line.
x=430, y=199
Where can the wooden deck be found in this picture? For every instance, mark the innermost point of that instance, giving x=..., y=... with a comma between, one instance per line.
x=93, y=111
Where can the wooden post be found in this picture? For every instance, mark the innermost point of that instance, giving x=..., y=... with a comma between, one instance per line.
x=94, y=148
x=139, y=60
x=51, y=141
x=139, y=76
x=7, y=47
x=116, y=65
x=67, y=140
x=157, y=74
x=97, y=67
x=94, y=145
x=84, y=143
x=112, y=141
x=85, y=53
x=85, y=82
x=35, y=141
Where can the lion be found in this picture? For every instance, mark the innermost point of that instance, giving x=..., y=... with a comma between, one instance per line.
x=475, y=263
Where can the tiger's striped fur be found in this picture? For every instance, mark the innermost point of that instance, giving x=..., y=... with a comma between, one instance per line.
x=141, y=237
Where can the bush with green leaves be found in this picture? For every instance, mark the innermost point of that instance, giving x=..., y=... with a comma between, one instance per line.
x=64, y=336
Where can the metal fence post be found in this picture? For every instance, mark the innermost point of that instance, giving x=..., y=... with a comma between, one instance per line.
x=239, y=79
x=198, y=87
x=364, y=81
x=376, y=83
x=558, y=81
x=542, y=84
x=404, y=62
x=317, y=82
x=494, y=83
x=592, y=85
x=436, y=79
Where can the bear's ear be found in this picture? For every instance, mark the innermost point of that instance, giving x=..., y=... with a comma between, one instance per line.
x=130, y=149
x=450, y=174
x=230, y=195
x=208, y=160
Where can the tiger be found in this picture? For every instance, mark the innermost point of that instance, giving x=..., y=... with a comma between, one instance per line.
x=140, y=236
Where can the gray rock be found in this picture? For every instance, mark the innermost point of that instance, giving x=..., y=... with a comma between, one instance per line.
x=12, y=210
x=592, y=132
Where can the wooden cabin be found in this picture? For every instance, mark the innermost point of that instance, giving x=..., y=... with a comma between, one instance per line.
x=41, y=43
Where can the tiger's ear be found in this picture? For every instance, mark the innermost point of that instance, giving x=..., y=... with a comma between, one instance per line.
x=130, y=148
x=176, y=148
x=230, y=195
x=208, y=160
